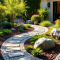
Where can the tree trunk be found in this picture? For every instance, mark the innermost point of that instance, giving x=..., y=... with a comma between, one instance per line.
x=12, y=17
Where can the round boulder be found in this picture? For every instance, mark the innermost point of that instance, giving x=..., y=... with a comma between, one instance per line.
x=44, y=43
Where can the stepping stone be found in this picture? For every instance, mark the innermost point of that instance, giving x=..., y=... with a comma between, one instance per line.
x=15, y=54
x=14, y=41
x=13, y=49
x=18, y=39
x=12, y=45
x=18, y=36
x=25, y=58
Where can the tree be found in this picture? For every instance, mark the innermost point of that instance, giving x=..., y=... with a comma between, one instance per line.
x=2, y=12
x=14, y=8
x=34, y=6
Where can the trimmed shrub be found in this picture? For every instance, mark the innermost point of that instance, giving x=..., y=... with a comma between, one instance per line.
x=36, y=52
x=20, y=30
x=1, y=34
x=6, y=31
x=35, y=18
x=29, y=48
x=46, y=23
x=28, y=25
x=8, y=25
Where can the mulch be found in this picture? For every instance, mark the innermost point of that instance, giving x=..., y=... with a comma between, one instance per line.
x=2, y=39
x=46, y=55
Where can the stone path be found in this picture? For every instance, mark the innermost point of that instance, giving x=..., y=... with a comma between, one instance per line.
x=13, y=48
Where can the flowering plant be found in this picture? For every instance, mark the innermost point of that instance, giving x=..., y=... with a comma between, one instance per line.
x=57, y=22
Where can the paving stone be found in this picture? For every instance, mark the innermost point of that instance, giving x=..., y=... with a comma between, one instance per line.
x=12, y=45
x=15, y=54
x=18, y=35
x=13, y=49
x=25, y=58
x=18, y=39
x=14, y=41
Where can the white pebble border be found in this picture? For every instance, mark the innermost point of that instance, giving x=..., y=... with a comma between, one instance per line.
x=23, y=37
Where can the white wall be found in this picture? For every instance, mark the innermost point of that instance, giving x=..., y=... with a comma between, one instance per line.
x=44, y=5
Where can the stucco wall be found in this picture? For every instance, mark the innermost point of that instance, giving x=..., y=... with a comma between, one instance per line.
x=44, y=5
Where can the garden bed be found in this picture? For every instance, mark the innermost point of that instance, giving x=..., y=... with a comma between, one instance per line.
x=2, y=39
x=47, y=54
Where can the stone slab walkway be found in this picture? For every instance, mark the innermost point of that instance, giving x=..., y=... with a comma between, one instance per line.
x=10, y=47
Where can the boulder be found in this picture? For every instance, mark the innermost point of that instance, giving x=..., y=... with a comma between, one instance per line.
x=55, y=33
x=12, y=29
x=29, y=22
x=44, y=43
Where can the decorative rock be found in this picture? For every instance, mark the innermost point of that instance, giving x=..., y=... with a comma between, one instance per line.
x=12, y=29
x=15, y=54
x=25, y=58
x=55, y=33
x=29, y=22
x=44, y=43
x=13, y=49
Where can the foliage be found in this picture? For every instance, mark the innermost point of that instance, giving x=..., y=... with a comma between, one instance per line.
x=56, y=26
x=28, y=25
x=44, y=13
x=15, y=24
x=57, y=22
x=20, y=30
x=29, y=48
x=14, y=8
x=35, y=18
x=36, y=52
x=24, y=27
x=34, y=6
x=36, y=37
x=53, y=52
x=6, y=31
x=8, y=25
x=46, y=23
x=1, y=34
x=0, y=23
x=2, y=11
x=5, y=19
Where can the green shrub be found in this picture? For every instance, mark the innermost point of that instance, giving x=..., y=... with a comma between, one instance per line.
x=46, y=23
x=35, y=18
x=1, y=34
x=36, y=52
x=24, y=27
x=53, y=52
x=36, y=37
x=8, y=25
x=6, y=31
x=44, y=13
x=28, y=25
x=29, y=48
x=15, y=24
x=20, y=30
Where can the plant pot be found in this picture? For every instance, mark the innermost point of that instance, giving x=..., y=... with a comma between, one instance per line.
x=35, y=22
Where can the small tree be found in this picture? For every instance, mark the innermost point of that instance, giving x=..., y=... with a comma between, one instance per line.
x=14, y=8
x=2, y=11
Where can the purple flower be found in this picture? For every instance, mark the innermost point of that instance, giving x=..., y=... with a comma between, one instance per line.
x=21, y=21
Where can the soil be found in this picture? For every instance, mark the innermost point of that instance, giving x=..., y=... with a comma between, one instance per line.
x=2, y=39
x=47, y=55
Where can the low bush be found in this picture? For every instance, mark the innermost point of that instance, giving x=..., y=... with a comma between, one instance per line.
x=6, y=31
x=46, y=23
x=20, y=30
x=36, y=37
x=8, y=25
x=29, y=48
x=28, y=25
x=24, y=27
x=53, y=52
x=1, y=34
x=36, y=52
x=15, y=24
